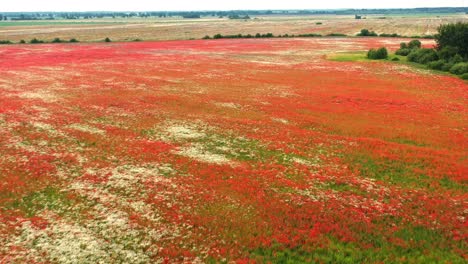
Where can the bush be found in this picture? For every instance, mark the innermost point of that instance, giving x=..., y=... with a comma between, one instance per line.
x=22, y=41
x=73, y=40
x=5, y=42
x=57, y=40
x=36, y=41
x=436, y=65
x=456, y=59
x=414, y=44
x=107, y=40
x=378, y=54
x=403, y=52
x=367, y=33
x=403, y=45
x=386, y=35
x=464, y=76
x=395, y=59
x=459, y=68
x=422, y=56
x=448, y=52
x=446, y=67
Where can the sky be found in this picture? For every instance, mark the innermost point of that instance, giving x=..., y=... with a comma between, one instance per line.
x=173, y=5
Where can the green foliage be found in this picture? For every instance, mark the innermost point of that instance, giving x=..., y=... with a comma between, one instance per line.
x=36, y=41
x=403, y=45
x=447, y=66
x=5, y=42
x=436, y=65
x=22, y=41
x=107, y=40
x=318, y=23
x=423, y=56
x=57, y=40
x=386, y=35
x=366, y=33
x=336, y=35
x=447, y=52
x=403, y=52
x=459, y=68
x=414, y=44
x=395, y=59
x=206, y=37
x=454, y=35
x=464, y=76
x=378, y=54
x=73, y=40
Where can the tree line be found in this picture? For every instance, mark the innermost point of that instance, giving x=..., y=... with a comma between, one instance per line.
x=449, y=55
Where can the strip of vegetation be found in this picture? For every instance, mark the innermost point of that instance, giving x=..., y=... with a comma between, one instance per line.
x=271, y=35
x=368, y=33
x=450, y=54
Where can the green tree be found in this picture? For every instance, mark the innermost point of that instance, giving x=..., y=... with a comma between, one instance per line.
x=454, y=35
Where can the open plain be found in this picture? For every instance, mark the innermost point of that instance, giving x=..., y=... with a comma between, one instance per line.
x=246, y=150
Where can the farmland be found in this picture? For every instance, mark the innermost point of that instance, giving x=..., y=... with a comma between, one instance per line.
x=181, y=29
x=249, y=150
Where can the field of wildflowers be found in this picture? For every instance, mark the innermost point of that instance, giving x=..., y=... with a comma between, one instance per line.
x=245, y=151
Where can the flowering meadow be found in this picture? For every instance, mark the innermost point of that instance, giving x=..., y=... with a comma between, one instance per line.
x=229, y=151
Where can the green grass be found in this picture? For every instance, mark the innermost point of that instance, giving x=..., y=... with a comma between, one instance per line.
x=399, y=173
x=348, y=56
x=361, y=56
x=425, y=246
x=49, y=198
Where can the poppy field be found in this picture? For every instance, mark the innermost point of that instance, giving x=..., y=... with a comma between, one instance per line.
x=229, y=151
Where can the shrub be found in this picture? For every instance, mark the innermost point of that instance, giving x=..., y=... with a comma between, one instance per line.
x=422, y=56
x=403, y=52
x=446, y=67
x=318, y=23
x=36, y=41
x=464, y=76
x=395, y=59
x=448, y=52
x=107, y=40
x=386, y=35
x=403, y=45
x=459, y=68
x=73, y=40
x=414, y=44
x=22, y=41
x=456, y=59
x=57, y=40
x=334, y=35
x=378, y=54
x=367, y=33
x=5, y=42
x=436, y=65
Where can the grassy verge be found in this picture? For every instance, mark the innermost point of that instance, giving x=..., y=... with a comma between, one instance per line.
x=361, y=56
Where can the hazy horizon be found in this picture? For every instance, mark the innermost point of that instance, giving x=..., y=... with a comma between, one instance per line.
x=210, y=5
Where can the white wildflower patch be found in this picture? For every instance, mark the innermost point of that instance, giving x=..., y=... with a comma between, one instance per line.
x=64, y=243
x=280, y=120
x=127, y=176
x=228, y=105
x=184, y=132
x=45, y=96
x=86, y=128
x=199, y=153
